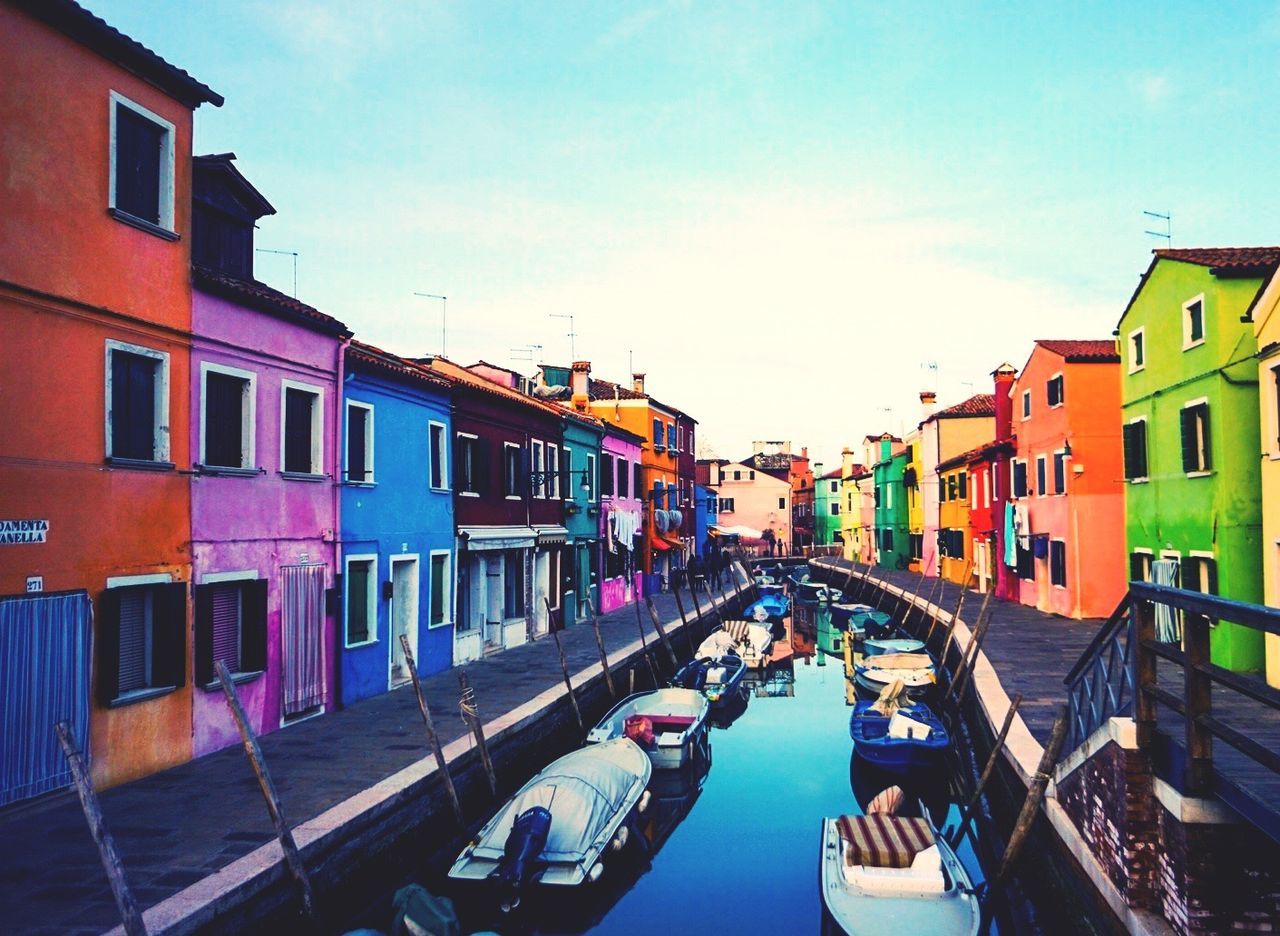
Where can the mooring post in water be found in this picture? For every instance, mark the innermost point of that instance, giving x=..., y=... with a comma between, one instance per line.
x=697, y=610
x=933, y=617
x=644, y=645
x=259, y=764
x=684, y=621
x=915, y=596
x=951, y=632
x=432, y=738
x=564, y=665
x=1035, y=795
x=604, y=657
x=969, y=658
x=130, y=915
x=662, y=633
x=966, y=817
x=471, y=715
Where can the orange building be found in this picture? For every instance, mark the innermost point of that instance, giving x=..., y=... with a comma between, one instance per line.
x=1068, y=514
x=95, y=318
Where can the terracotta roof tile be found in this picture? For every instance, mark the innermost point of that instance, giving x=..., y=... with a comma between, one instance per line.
x=1091, y=351
x=1224, y=258
x=262, y=297
x=980, y=404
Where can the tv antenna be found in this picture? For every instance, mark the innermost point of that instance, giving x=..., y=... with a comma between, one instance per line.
x=573, y=354
x=1167, y=233
x=285, y=253
x=525, y=352
x=444, y=320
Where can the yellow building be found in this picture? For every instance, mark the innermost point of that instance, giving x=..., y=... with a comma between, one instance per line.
x=955, y=537
x=1266, y=326
x=850, y=505
x=912, y=479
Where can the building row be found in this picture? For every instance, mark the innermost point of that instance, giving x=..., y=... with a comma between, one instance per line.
x=1152, y=455
x=208, y=470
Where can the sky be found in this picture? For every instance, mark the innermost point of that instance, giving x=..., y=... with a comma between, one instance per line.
x=792, y=217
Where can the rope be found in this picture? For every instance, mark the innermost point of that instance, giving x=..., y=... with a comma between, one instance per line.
x=467, y=707
x=1041, y=776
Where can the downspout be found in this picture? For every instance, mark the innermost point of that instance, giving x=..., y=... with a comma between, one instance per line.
x=336, y=448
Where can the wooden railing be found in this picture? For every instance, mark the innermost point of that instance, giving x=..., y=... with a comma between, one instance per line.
x=1100, y=685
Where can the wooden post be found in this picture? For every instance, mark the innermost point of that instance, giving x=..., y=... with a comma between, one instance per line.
x=471, y=715
x=130, y=915
x=604, y=657
x=662, y=633
x=1143, y=616
x=432, y=738
x=915, y=595
x=644, y=646
x=684, y=621
x=697, y=608
x=1198, y=688
x=967, y=815
x=564, y=666
x=951, y=632
x=1031, y=805
x=965, y=666
x=259, y=764
x=933, y=617
x=631, y=675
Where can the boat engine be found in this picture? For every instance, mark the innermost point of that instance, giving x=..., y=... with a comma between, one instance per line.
x=520, y=854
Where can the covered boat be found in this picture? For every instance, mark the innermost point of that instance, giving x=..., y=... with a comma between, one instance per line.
x=906, y=738
x=916, y=670
x=878, y=646
x=891, y=874
x=873, y=623
x=716, y=677
x=667, y=724
x=810, y=590
x=769, y=606
x=747, y=639
x=556, y=828
x=841, y=611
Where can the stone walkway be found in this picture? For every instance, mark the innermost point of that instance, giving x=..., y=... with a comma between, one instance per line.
x=177, y=827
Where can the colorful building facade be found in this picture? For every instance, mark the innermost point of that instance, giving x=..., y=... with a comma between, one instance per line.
x=955, y=535
x=828, y=509
x=621, y=512
x=893, y=547
x=754, y=500
x=946, y=433
x=587, y=486
x=1266, y=330
x=912, y=483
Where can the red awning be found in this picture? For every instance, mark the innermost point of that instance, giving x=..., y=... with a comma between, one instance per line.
x=661, y=545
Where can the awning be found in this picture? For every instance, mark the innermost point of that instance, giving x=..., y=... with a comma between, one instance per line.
x=661, y=545
x=551, y=535
x=746, y=531
x=497, y=537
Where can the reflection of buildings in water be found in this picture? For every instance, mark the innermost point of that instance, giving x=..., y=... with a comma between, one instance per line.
x=829, y=638
x=780, y=631
x=804, y=640
x=777, y=680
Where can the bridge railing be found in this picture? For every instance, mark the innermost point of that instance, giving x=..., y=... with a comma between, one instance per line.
x=1100, y=685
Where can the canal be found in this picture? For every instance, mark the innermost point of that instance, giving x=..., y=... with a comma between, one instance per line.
x=729, y=846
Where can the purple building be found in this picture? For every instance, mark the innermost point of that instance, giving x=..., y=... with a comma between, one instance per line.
x=264, y=502
x=621, y=511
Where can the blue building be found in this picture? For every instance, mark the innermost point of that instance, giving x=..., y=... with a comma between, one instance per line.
x=396, y=559
x=583, y=482
x=705, y=513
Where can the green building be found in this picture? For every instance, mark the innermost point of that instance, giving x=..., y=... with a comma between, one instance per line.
x=826, y=509
x=893, y=545
x=1191, y=437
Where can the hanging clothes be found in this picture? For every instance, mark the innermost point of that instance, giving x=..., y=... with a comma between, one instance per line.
x=1165, y=572
x=302, y=637
x=1040, y=546
x=1010, y=536
x=1022, y=525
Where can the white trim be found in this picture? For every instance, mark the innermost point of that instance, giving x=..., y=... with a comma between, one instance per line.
x=569, y=494
x=168, y=149
x=506, y=475
x=153, y=578
x=248, y=416
x=594, y=494
x=442, y=453
x=368, y=442
x=371, y=599
x=393, y=640
x=1129, y=355
x=1205, y=451
x=450, y=597
x=317, y=423
x=538, y=466
x=1187, y=343
x=161, y=443
x=1026, y=406
x=1053, y=471
x=214, y=578
x=1052, y=378
x=553, y=472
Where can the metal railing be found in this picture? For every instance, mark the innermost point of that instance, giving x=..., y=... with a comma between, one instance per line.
x=1100, y=685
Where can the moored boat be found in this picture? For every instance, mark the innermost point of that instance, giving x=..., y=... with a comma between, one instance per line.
x=812, y=590
x=916, y=670
x=902, y=740
x=716, y=677
x=873, y=623
x=878, y=646
x=667, y=724
x=747, y=639
x=769, y=606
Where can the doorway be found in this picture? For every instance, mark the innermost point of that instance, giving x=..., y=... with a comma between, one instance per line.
x=404, y=615
x=302, y=640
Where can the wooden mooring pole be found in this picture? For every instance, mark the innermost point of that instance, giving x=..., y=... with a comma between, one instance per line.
x=684, y=621
x=604, y=657
x=1035, y=795
x=969, y=658
x=130, y=915
x=915, y=596
x=966, y=817
x=287, y=845
x=951, y=631
x=471, y=715
x=697, y=610
x=644, y=645
x=933, y=617
x=564, y=666
x=432, y=738
x=662, y=633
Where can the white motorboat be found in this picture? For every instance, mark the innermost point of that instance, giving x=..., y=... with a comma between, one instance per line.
x=916, y=670
x=748, y=639
x=667, y=724
x=556, y=829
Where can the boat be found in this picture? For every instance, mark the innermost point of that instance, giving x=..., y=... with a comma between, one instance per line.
x=904, y=739
x=841, y=611
x=747, y=639
x=768, y=606
x=878, y=646
x=810, y=590
x=557, y=827
x=916, y=670
x=667, y=724
x=716, y=677
x=893, y=874
x=875, y=624
x=770, y=588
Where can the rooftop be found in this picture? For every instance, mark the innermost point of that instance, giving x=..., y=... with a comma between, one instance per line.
x=260, y=296
x=980, y=404
x=1091, y=351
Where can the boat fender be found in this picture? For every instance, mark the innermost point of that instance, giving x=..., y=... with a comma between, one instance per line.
x=519, y=860
x=645, y=797
x=593, y=875
x=620, y=840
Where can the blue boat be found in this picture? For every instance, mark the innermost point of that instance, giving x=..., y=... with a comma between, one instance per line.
x=717, y=678
x=875, y=646
x=874, y=623
x=769, y=606
x=913, y=738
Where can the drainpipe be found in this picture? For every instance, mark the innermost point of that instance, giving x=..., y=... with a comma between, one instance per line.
x=336, y=449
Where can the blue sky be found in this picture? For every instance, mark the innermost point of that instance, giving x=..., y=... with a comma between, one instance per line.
x=780, y=212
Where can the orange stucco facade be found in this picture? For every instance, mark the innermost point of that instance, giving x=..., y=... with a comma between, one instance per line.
x=72, y=279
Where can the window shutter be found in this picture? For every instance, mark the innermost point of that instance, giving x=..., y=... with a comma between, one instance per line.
x=1189, y=453
x=1203, y=412
x=357, y=467
x=203, y=674
x=481, y=466
x=169, y=635
x=606, y=474
x=107, y=646
x=253, y=626
x=297, y=430
x=138, y=164
x=132, y=648
x=1137, y=568
x=461, y=481
x=225, y=626
x=133, y=406
x=224, y=414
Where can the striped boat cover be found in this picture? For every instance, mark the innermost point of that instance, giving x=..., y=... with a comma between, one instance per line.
x=880, y=841
x=737, y=629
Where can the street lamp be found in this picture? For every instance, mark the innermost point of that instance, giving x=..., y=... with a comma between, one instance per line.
x=444, y=320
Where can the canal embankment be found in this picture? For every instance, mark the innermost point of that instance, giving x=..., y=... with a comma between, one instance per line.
x=196, y=841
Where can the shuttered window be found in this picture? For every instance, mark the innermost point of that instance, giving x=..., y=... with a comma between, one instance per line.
x=135, y=641
x=439, y=589
x=624, y=475
x=466, y=465
x=1139, y=567
x=224, y=420
x=299, y=431
x=1055, y=391
x=1026, y=563
x=963, y=491
x=139, y=150
x=133, y=406
x=359, y=610
x=606, y=474
x=637, y=478
x=1135, y=450
x=513, y=583
x=1200, y=573
x=1019, y=479
x=436, y=454
x=1058, y=562
x=1059, y=473
x=1195, y=438
x=226, y=627
x=230, y=628
x=359, y=443
x=1042, y=481
x=590, y=478
x=141, y=641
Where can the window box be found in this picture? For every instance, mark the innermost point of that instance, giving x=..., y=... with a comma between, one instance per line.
x=139, y=463
x=302, y=476
x=217, y=471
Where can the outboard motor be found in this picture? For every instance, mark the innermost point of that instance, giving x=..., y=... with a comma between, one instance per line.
x=877, y=631
x=520, y=855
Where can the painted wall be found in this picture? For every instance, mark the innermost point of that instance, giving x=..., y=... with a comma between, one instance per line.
x=581, y=567
x=915, y=500
x=826, y=495
x=618, y=590
x=760, y=501
x=260, y=522
x=1266, y=328
x=891, y=508
x=953, y=514
x=1218, y=514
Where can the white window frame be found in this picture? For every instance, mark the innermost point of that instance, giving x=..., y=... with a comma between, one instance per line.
x=473, y=437
x=162, y=396
x=1062, y=401
x=1187, y=343
x=1042, y=472
x=1053, y=472
x=167, y=158
x=1026, y=406
x=1208, y=455
x=566, y=452
x=440, y=453
x=248, y=417
x=506, y=446
x=888, y=495
x=449, y=609
x=1133, y=364
x=1272, y=412
x=317, y=423
x=370, y=477
x=595, y=481
x=371, y=598
x=538, y=466
x=1065, y=561
x=553, y=471
x=987, y=477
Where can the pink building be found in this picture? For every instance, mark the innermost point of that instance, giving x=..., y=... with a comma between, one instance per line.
x=620, y=511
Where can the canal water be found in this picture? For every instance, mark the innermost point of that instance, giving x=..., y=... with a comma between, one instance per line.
x=732, y=845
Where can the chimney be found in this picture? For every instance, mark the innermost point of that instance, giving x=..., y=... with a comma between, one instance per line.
x=580, y=385
x=637, y=383
x=1004, y=376
x=928, y=403
x=846, y=462
x=804, y=451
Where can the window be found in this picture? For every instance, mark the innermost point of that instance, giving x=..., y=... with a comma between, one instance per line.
x=1193, y=323
x=142, y=645
x=137, y=427
x=657, y=435
x=607, y=474
x=1137, y=350
x=1054, y=390
x=886, y=541
x=591, y=477
x=1019, y=478
x=141, y=175
x=359, y=443
x=513, y=583
x=751, y=475
x=361, y=618
x=623, y=475
x=888, y=496
x=1026, y=404
x=468, y=465
x=1042, y=485
x=782, y=503
x=440, y=582
x=726, y=505
x=1139, y=566
x=302, y=431
x=737, y=476
x=1058, y=563
x=568, y=486
x=1275, y=404
x=231, y=626
x=835, y=485
x=512, y=469
x=637, y=478
x=437, y=469
x=835, y=508
x=1026, y=567
x=553, y=471
x=1200, y=573
x=680, y=438
x=227, y=416
x=1135, y=450
x=1195, y=437
x=538, y=478
x=963, y=485
x=671, y=437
